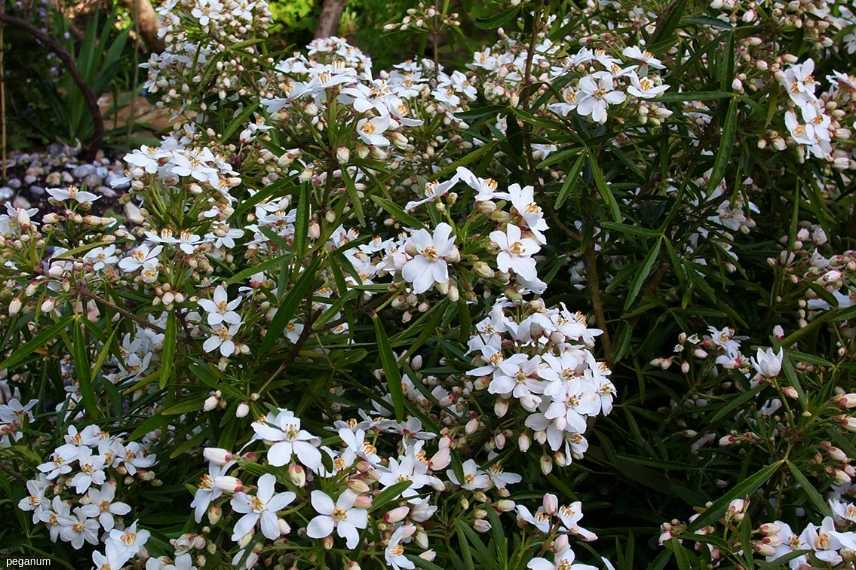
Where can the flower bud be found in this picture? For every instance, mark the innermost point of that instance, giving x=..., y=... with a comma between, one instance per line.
x=297, y=475
x=228, y=483
x=343, y=155
x=210, y=403
x=845, y=401
x=242, y=410
x=441, y=459
x=395, y=515
x=363, y=502
x=217, y=455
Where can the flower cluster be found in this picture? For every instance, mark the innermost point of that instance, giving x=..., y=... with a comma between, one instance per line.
x=76, y=494
x=819, y=123
x=211, y=47
x=594, y=81
x=542, y=362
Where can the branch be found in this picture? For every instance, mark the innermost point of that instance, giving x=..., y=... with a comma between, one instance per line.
x=328, y=21
x=88, y=96
x=146, y=21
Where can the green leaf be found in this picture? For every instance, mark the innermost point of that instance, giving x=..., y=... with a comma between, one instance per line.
x=238, y=122
x=289, y=306
x=642, y=275
x=36, y=342
x=667, y=24
x=468, y=159
x=354, y=197
x=397, y=212
x=388, y=495
x=604, y=189
x=726, y=146
x=570, y=181
x=390, y=367
x=743, y=489
x=265, y=265
x=168, y=351
x=301, y=223
x=735, y=403
x=813, y=494
x=79, y=350
x=185, y=406
x=692, y=96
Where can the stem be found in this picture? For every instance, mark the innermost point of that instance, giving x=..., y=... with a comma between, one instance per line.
x=593, y=278
x=136, y=318
x=523, y=103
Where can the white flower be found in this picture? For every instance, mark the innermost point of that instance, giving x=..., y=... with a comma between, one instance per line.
x=563, y=560
x=357, y=446
x=430, y=252
x=646, y=57
x=79, y=527
x=371, y=130
x=485, y=187
x=518, y=376
x=102, y=500
x=597, y=92
x=394, y=551
x=523, y=200
x=826, y=541
x=768, y=363
x=100, y=257
x=220, y=309
x=131, y=540
x=72, y=193
x=222, y=339
x=114, y=558
x=432, y=191
x=842, y=511
x=474, y=478
x=540, y=520
x=289, y=440
x=135, y=458
x=500, y=478
x=206, y=491
x=36, y=499
x=182, y=562
x=60, y=462
x=341, y=516
x=140, y=257
x=570, y=515
x=799, y=82
x=644, y=88
x=263, y=507
x=91, y=471
x=515, y=252
x=58, y=513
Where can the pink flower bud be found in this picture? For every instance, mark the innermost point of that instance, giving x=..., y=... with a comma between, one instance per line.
x=228, y=483
x=297, y=475
x=441, y=459
x=217, y=455
x=396, y=515
x=551, y=503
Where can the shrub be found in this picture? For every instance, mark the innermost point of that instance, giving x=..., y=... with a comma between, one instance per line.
x=427, y=317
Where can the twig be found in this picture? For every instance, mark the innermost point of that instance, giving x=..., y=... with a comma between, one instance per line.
x=136, y=318
x=523, y=103
x=593, y=277
x=88, y=96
